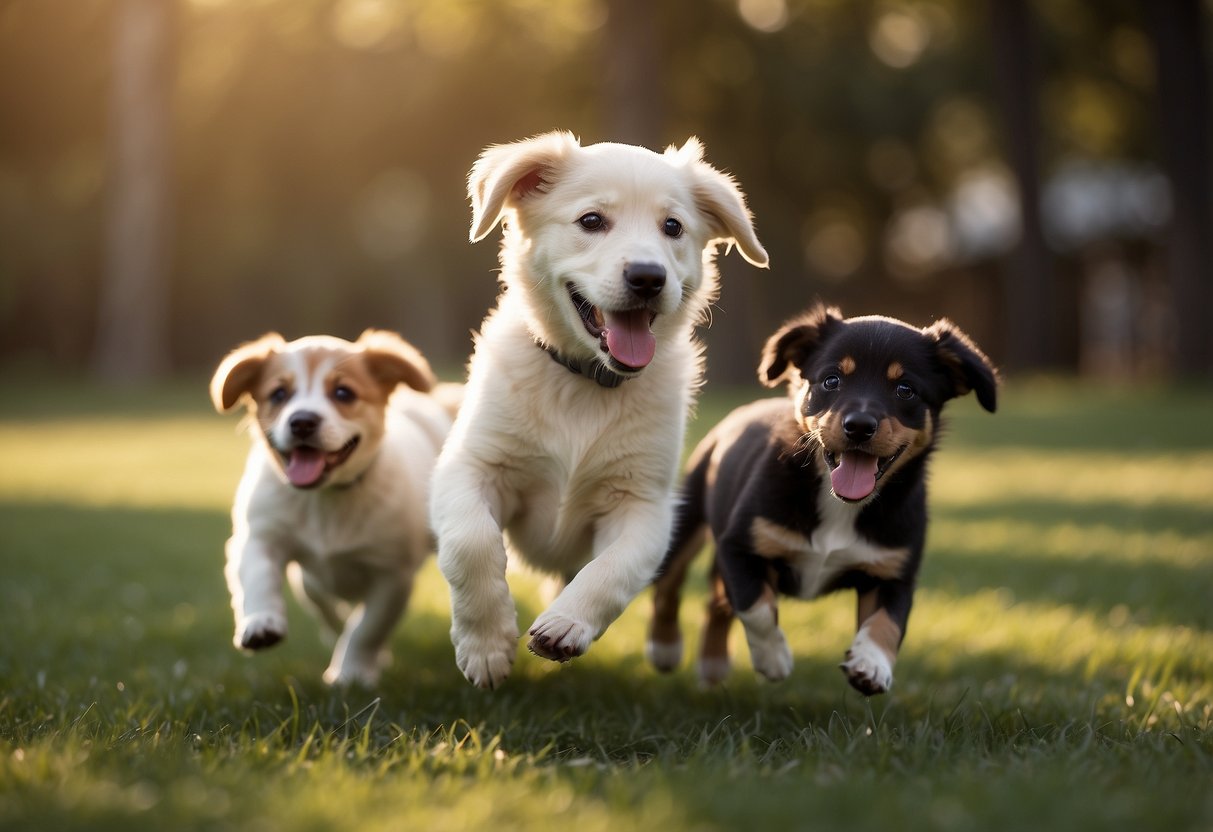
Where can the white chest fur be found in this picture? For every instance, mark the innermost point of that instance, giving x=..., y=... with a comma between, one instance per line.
x=834, y=547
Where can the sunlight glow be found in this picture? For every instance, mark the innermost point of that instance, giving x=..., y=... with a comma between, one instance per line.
x=1133, y=56
x=833, y=246
x=365, y=24
x=960, y=134
x=1073, y=477
x=919, y=239
x=445, y=30
x=391, y=215
x=1090, y=114
x=899, y=38
x=764, y=15
x=985, y=212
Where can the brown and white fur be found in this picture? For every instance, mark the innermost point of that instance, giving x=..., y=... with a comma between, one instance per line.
x=822, y=491
x=345, y=436
x=570, y=434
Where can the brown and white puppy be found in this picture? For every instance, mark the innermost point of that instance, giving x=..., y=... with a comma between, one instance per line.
x=822, y=492
x=345, y=436
x=570, y=434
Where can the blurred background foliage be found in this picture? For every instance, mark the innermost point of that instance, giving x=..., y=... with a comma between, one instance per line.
x=176, y=177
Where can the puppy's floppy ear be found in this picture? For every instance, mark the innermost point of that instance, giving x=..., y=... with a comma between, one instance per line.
x=392, y=361
x=719, y=198
x=508, y=172
x=238, y=372
x=788, y=348
x=965, y=363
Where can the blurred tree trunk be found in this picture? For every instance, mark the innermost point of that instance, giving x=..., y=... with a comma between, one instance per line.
x=132, y=326
x=1183, y=99
x=1028, y=275
x=633, y=93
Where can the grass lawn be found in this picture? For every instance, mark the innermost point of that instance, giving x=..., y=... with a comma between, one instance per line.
x=1057, y=673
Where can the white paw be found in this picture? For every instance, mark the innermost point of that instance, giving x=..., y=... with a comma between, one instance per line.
x=559, y=638
x=352, y=673
x=664, y=655
x=260, y=630
x=713, y=670
x=771, y=655
x=867, y=667
x=348, y=668
x=485, y=658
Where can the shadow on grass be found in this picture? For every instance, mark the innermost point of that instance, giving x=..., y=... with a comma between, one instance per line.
x=131, y=618
x=1158, y=592
x=1048, y=416
x=1113, y=514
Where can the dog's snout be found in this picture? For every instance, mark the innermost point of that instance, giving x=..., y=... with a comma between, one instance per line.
x=645, y=280
x=303, y=424
x=859, y=426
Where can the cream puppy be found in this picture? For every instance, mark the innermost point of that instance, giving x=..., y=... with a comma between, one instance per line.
x=572, y=427
x=334, y=490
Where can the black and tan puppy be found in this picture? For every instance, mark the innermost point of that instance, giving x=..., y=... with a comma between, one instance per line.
x=821, y=493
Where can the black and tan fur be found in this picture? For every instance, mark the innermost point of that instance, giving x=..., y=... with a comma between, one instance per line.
x=820, y=492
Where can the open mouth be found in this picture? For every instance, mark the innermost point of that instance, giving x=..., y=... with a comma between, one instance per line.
x=854, y=474
x=626, y=336
x=306, y=467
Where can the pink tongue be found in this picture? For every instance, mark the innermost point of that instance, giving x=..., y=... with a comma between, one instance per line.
x=305, y=467
x=629, y=338
x=855, y=476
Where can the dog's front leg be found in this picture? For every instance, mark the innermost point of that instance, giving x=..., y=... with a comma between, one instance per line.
x=769, y=651
x=751, y=592
x=472, y=558
x=254, y=573
x=628, y=544
x=883, y=612
x=361, y=650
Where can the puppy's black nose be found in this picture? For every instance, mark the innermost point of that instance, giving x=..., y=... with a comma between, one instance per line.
x=645, y=280
x=859, y=426
x=303, y=424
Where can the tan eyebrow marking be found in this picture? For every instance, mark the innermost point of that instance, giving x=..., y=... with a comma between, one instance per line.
x=847, y=365
x=896, y=371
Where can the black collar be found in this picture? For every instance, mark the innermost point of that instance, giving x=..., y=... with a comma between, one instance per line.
x=597, y=370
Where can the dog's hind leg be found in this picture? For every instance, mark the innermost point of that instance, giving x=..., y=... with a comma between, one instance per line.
x=315, y=598
x=361, y=650
x=664, y=644
x=714, y=663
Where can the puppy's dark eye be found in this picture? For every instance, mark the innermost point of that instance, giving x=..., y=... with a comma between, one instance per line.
x=591, y=221
x=905, y=391
x=344, y=394
x=831, y=382
x=672, y=228
x=278, y=395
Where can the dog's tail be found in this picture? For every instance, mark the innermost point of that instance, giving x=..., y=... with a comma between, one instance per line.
x=664, y=645
x=690, y=517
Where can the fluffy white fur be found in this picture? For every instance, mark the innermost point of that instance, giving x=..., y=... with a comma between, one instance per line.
x=352, y=540
x=577, y=477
